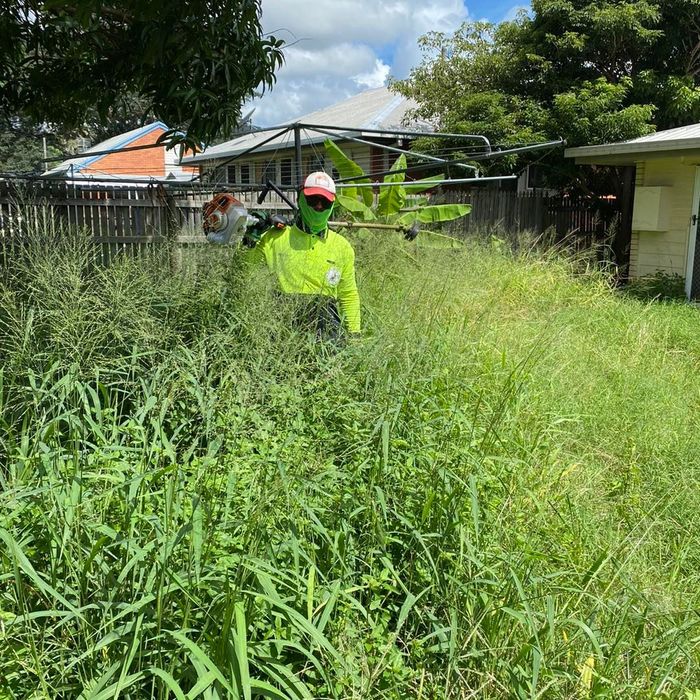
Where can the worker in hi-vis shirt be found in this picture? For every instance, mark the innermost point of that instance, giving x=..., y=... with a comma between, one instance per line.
x=308, y=258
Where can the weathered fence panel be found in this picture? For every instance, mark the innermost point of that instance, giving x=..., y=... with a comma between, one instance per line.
x=119, y=219
x=124, y=219
x=579, y=219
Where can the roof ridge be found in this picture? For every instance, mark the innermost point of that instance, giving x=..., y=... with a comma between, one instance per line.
x=356, y=96
x=376, y=121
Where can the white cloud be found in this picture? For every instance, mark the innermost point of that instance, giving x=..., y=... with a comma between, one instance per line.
x=336, y=48
x=514, y=11
x=376, y=78
x=329, y=21
x=341, y=60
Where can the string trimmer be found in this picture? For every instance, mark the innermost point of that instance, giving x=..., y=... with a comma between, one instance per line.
x=226, y=220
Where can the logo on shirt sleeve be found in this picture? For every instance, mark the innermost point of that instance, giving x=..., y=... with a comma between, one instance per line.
x=333, y=276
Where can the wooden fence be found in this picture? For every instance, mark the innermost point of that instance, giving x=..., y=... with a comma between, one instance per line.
x=119, y=219
x=122, y=219
x=585, y=220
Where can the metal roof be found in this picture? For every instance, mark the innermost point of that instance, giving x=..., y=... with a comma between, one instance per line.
x=75, y=165
x=372, y=109
x=679, y=139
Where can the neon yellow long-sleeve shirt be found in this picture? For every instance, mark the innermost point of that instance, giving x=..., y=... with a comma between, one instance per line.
x=305, y=263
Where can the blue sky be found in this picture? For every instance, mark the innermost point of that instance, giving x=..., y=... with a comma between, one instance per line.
x=337, y=48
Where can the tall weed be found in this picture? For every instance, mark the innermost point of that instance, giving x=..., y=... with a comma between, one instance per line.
x=478, y=499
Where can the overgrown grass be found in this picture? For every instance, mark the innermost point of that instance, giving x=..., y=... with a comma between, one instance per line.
x=494, y=494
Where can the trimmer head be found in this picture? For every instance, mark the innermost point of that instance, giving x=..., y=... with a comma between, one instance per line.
x=225, y=219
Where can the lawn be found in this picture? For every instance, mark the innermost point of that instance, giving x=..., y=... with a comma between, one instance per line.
x=493, y=494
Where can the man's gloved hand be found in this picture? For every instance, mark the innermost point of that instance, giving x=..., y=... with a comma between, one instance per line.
x=254, y=231
x=263, y=222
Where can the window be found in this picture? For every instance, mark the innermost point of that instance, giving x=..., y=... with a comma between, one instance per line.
x=269, y=172
x=535, y=177
x=286, y=172
x=216, y=174
x=315, y=164
x=239, y=174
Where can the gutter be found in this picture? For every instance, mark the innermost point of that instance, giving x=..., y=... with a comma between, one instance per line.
x=629, y=148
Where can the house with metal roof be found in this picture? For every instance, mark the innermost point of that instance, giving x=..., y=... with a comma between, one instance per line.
x=666, y=209
x=129, y=158
x=272, y=153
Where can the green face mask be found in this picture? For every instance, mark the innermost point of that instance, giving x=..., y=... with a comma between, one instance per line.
x=315, y=221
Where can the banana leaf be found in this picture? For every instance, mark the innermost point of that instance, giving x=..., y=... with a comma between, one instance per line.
x=349, y=168
x=392, y=198
x=355, y=207
x=426, y=183
x=435, y=214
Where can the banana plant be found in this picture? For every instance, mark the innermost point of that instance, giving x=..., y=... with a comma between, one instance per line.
x=391, y=206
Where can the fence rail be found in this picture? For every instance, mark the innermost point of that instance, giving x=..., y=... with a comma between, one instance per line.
x=583, y=219
x=118, y=218
x=127, y=218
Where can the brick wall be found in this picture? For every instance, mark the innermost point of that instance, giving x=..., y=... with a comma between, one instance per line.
x=149, y=161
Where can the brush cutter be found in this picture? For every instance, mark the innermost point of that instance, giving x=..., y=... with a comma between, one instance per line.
x=226, y=220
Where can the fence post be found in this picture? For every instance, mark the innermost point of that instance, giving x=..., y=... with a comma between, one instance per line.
x=623, y=235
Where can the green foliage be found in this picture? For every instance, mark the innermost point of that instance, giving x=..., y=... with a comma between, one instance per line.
x=470, y=86
x=197, y=500
x=193, y=64
x=660, y=285
x=355, y=207
x=424, y=184
x=586, y=71
x=594, y=113
x=435, y=214
x=22, y=147
x=347, y=168
x=392, y=199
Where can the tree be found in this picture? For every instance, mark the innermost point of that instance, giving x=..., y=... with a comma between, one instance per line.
x=25, y=143
x=191, y=63
x=130, y=111
x=590, y=72
x=22, y=147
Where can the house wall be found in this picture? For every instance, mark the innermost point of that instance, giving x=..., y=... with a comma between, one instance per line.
x=313, y=158
x=171, y=159
x=666, y=251
x=149, y=161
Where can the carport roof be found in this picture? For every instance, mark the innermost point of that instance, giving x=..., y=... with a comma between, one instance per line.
x=667, y=142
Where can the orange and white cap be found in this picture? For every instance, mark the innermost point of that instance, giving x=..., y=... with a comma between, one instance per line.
x=319, y=183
